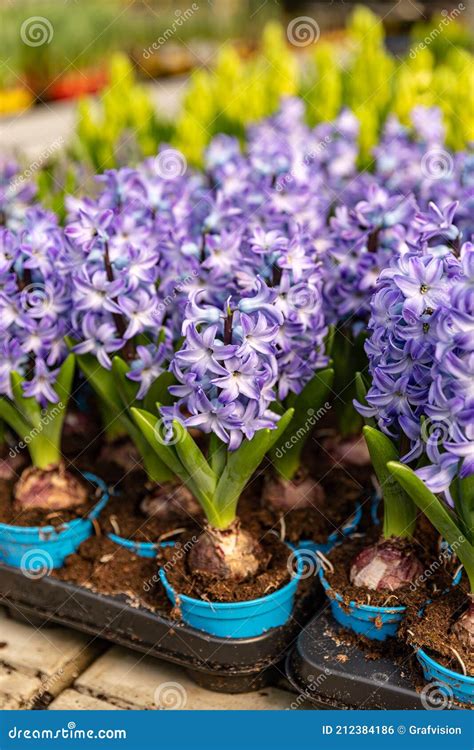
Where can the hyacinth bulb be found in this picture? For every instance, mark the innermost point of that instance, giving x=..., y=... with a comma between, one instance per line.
x=463, y=629
x=52, y=488
x=230, y=554
x=351, y=451
x=285, y=494
x=171, y=502
x=10, y=465
x=385, y=566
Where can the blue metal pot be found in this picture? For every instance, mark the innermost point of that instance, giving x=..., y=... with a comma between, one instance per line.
x=376, y=623
x=307, y=545
x=238, y=619
x=459, y=686
x=39, y=549
x=142, y=549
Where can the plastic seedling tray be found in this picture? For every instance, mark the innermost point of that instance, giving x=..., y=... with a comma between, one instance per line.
x=334, y=675
x=228, y=665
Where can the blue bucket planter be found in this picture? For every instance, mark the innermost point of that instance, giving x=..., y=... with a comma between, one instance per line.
x=307, y=545
x=459, y=686
x=142, y=549
x=238, y=619
x=376, y=623
x=36, y=549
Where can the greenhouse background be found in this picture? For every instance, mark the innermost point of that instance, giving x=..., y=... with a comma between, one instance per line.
x=236, y=355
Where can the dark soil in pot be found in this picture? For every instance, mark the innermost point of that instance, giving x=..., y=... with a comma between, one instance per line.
x=106, y=568
x=10, y=514
x=274, y=575
x=314, y=524
x=124, y=517
x=341, y=493
x=432, y=631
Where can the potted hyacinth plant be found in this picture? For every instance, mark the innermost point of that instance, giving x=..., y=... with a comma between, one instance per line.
x=36, y=382
x=372, y=224
x=269, y=204
x=126, y=288
x=444, y=488
x=226, y=372
x=400, y=349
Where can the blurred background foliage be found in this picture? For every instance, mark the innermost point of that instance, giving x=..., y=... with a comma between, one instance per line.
x=240, y=62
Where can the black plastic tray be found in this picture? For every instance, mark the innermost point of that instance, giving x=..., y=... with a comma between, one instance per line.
x=221, y=664
x=332, y=674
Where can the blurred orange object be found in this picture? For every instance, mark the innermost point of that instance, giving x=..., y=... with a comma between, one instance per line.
x=77, y=83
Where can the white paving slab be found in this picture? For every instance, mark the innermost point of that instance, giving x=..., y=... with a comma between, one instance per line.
x=17, y=690
x=130, y=680
x=72, y=700
x=47, y=651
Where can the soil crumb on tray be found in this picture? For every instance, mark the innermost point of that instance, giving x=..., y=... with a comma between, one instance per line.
x=106, y=568
x=184, y=581
x=37, y=517
x=432, y=632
